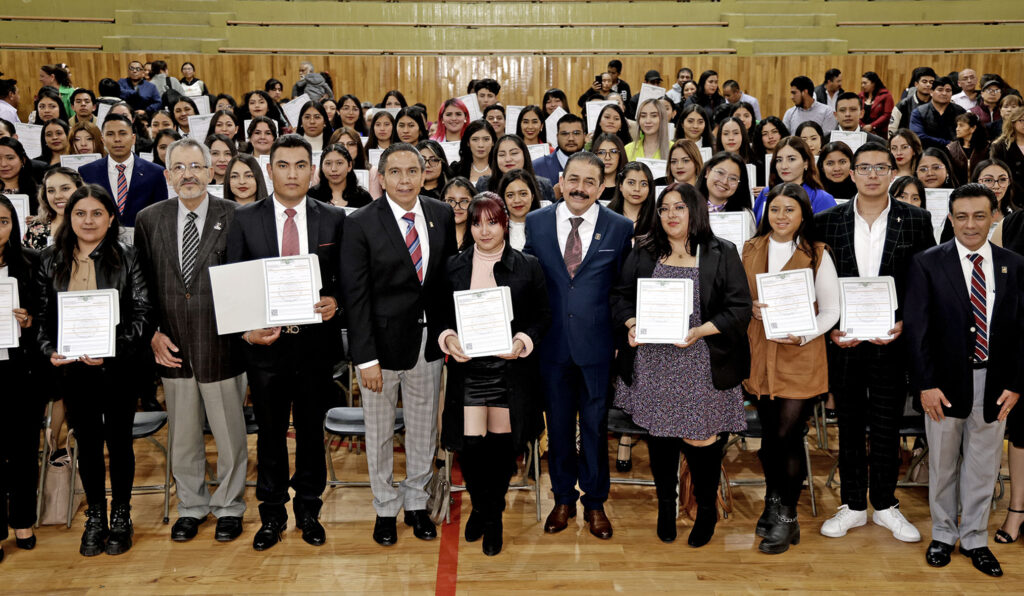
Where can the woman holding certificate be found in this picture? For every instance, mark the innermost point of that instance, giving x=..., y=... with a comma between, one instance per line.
x=786, y=372
x=493, y=403
x=684, y=390
x=19, y=426
x=86, y=257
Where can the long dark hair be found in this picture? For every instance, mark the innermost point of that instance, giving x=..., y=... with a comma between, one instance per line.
x=322, y=190
x=540, y=114
x=66, y=242
x=645, y=218
x=26, y=184
x=397, y=95
x=45, y=213
x=745, y=153
x=623, y=132
x=810, y=175
x=50, y=93
x=614, y=140
x=805, y=235
x=360, y=123
x=359, y=162
x=273, y=112
x=446, y=170
x=462, y=167
x=699, y=232
x=703, y=99
x=47, y=154
x=12, y=255
x=693, y=108
x=254, y=166
x=239, y=132
x=757, y=143
x=556, y=93
x=529, y=179
x=416, y=114
x=740, y=198
x=374, y=143
x=1008, y=203
x=495, y=178
x=320, y=109
x=840, y=190
x=167, y=132
x=901, y=183
x=940, y=154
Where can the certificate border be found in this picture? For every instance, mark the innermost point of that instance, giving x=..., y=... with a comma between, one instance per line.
x=809, y=279
x=504, y=307
x=886, y=279
x=687, y=308
x=113, y=298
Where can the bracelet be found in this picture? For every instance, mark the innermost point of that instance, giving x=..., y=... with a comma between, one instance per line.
x=245, y=336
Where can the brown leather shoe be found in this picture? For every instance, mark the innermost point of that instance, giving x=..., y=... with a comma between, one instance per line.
x=559, y=517
x=598, y=522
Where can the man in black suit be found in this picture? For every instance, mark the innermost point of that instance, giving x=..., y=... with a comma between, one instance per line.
x=203, y=376
x=966, y=341
x=571, y=138
x=871, y=236
x=133, y=183
x=396, y=295
x=289, y=368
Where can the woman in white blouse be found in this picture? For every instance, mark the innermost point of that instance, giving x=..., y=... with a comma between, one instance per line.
x=787, y=373
x=518, y=188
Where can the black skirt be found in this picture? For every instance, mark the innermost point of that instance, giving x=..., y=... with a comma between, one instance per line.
x=485, y=382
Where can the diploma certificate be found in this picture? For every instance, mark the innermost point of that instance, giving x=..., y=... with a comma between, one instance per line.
x=9, y=328
x=292, y=290
x=732, y=226
x=663, y=308
x=789, y=296
x=484, y=321
x=868, y=307
x=86, y=323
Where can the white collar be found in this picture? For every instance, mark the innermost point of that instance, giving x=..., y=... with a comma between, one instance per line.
x=589, y=216
x=985, y=251
x=399, y=211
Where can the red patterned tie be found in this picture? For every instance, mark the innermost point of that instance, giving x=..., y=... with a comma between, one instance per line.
x=290, y=236
x=573, y=247
x=412, y=242
x=979, y=306
x=122, y=188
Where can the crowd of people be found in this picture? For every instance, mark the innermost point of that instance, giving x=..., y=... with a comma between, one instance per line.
x=402, y=211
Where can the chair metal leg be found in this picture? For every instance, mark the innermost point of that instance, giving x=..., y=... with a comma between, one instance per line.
x=167, y=480
x=45, y=463
x=330, y=460
x=831, y=481
x=810, y=479
x=73, y=448
x=536, y=472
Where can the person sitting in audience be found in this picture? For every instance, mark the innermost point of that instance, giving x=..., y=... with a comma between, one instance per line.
x=161, y=80
x=878, y=103
x=48, y=106
x=83, y=104
x=245, y=180
x=801, y=91
x=987, y=109
x=140, y=94
x=190, y=85
x=337, y=183
x=744, y=112
x=935, y=122
x=393, y=99
x=311, y=83
x=1007, y=147
x=995, y=175
x=10, y=99
x=830, y=89
x=970, y=146
x=618, y=85
x=683, y=75
x=921, y=83
x=734, y=95
x=968, y=96
x=707, y=95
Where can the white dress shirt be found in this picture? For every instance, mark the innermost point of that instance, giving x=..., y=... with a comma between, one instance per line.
x=300, y=222
x=421, y=228
x=965, y=102
x=869, y=240
x=563, y=157
x=3, y=275
x=826, y=284
x=183, y=212
x=9, y=112
x=987, y=268
x=112, y=173
x=517, y=234
x=586, y=229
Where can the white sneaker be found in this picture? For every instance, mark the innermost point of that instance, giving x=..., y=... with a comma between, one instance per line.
x=894, y=521
x=844, y=519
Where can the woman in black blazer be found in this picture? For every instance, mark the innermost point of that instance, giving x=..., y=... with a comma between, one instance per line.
x=686, y=395
x=22, y=408
x=493, y=404
x=86, y=255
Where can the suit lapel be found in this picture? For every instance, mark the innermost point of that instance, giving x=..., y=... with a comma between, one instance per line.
x=998, y=271
x=167, y=237
x=893, y=230
x=953, y=270
x=848, y=232
x=391, y=230
x=706, y=268
x=212, y=229
x=270, y=226
x=549, y=235
x=600, y=232
x=312, y=225
x=138, y=178
x=435, y=237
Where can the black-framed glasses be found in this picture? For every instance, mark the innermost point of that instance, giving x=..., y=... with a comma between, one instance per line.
x=866, y=169
x=460, y=203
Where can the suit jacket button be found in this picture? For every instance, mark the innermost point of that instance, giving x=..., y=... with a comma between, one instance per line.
x=188, y=296
x=570, y=316
x=973, y=330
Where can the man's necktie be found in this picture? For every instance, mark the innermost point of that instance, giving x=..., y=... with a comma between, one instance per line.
x=979, y=306
x=412, y=242
x=189, y=246
x=122, y=188
x=290, y=236
x=573, y=247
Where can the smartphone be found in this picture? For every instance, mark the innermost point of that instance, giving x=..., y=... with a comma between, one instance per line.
x=597, y=78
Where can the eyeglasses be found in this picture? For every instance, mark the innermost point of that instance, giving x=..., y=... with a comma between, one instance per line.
x=179, y=168
x=135, y=68
x=570, y=133
x=723, y=175
x=608, y=152
x=460, y=203
x=866, y=169
x=990, y=181
x=935, y=169
x=432, y=161
x=678, y=209
x=991, y=89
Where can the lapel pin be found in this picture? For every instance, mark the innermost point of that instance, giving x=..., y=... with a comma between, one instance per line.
x=899, y=219
x=1004, y=269
x=217, y=226
x=431, y=224
x=597, y=236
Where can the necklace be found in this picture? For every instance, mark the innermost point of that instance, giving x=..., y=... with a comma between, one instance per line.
x=479, y=171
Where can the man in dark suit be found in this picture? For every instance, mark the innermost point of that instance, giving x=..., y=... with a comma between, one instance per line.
x=581, y=246
x=133, y=183
x=203, y=377
x=290, y=368
x=871, y=236
x=570, y=140
x=966, y=341
x=396, y=294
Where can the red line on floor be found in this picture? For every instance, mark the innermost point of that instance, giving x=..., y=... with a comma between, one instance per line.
x=448, y=557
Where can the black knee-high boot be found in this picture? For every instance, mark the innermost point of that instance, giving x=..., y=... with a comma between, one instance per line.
x=499, y=446
x=706, y=468
x=471, y=461
x=664, y=454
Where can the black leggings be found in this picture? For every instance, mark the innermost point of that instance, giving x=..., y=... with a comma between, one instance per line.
x=782, y=445
x=21, y=415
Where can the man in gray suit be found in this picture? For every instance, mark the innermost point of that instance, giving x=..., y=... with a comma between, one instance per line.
x=178, y=241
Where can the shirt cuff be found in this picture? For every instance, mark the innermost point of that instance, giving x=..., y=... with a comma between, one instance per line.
x=445, y=335
x=367, y=365
x=527, y=343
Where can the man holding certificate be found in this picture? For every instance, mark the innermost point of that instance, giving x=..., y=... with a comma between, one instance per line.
x=871, y=236
x=580, y=245
x=966, y=342
x=94, y=320
x=202, y=372
x=492, y=399
x=395, y=289
x=289, y=367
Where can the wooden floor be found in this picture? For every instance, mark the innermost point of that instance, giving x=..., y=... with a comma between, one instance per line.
x=867, y=561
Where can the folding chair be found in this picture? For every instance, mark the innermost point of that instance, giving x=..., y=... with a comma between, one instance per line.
x=621, y=422
x=349, y=422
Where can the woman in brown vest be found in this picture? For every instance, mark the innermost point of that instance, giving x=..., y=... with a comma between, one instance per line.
x=786, y=373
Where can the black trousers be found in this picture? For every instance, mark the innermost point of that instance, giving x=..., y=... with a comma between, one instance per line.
x=21, y=414
x=783, y=422
x=101, y=410
x=870, y=387
x=289, y=377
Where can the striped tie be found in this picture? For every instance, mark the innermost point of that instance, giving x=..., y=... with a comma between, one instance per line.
x=189, y=246
x=412, y=242
x=122, y=188
x=979, y=307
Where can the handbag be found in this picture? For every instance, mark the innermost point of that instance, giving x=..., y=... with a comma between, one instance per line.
x=58, y=483
x=687, y=500
x=439, y=491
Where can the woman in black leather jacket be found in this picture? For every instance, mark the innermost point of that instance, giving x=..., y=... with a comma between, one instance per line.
x=86, y=255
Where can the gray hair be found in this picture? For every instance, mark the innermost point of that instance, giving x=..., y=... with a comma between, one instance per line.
x=184, y=143
x=396, y=147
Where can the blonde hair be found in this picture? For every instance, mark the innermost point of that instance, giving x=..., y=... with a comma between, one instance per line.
x=662, y=128
x=1009, y=135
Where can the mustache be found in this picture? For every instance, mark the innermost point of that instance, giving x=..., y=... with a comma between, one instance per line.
x=579, y=194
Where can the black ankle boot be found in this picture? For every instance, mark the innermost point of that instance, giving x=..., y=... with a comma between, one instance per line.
x=667, y=520
x=121, y=530
x=94, y=539
x=767, y=519
x=785, y=531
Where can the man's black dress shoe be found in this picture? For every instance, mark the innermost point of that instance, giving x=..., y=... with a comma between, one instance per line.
x=422, y=527
x=938, y=553
x=385, y=532
x=186, y=528
x=228, y=528
x=983, y=560
x=268, y=535
x=312, y=532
